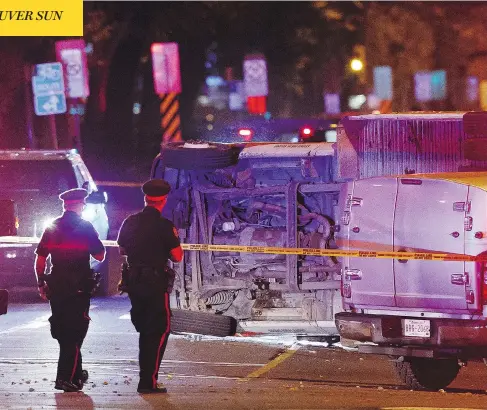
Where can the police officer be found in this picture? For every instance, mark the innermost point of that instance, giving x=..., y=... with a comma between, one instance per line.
x=149, y=240
x=69, y=240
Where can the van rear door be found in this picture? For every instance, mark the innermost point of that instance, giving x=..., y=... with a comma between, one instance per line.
x=429, y=217
x=371, y=207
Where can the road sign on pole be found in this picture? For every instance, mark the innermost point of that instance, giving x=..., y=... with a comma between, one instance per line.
x=71, y=53
x=255, y=75
x=165, y=68
x=50, y=104
x=48, y=88
x=167, y=83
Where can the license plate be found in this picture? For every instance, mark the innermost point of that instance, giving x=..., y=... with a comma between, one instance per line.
x=418, y=328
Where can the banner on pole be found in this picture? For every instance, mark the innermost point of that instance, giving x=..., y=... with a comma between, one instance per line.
x=72, y=55
x=255, y=75
x=165, y=68
x=383, y=82
x=422, y=86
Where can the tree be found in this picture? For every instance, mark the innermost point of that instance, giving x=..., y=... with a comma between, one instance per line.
x=417, y=36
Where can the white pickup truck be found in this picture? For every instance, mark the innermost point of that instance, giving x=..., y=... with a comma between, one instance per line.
x=430, y=315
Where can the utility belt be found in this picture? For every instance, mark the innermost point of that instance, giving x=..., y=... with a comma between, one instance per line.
x=69, y=283
x=141, y=278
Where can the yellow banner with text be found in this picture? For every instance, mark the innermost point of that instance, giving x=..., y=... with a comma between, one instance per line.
x=63, y=18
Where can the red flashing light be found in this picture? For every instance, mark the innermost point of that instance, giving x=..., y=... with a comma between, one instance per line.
x=306, y=132
x=245, y=133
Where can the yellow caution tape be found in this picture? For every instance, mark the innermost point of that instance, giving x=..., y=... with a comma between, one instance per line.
x=334, y=252
x=292, y=251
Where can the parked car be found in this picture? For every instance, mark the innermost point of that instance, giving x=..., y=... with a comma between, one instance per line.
x=33, y=179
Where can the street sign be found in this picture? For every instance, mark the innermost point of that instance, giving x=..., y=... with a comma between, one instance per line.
x=438, y=85
x=165, y=68
x=472, y=88
x=48, y=88
x=48, y=79
x=332, y=104
x=422, y=86
x=383, y=82
x=50, y=104
x=255, y=75
x=72, y=54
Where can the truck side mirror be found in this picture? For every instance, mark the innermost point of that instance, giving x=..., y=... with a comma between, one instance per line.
x=8, y=218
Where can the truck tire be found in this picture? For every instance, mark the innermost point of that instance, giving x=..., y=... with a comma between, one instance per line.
x=185, y=321
x=198, y=156
x=427, y=374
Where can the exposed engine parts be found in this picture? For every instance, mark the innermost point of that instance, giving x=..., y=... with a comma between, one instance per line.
x=221, y=298
x=265, y=202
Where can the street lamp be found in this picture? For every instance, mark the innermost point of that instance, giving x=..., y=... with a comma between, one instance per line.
x=356, y=64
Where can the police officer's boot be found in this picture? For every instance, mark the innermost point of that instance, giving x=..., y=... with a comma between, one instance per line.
x=67, y=386
x=152, y=390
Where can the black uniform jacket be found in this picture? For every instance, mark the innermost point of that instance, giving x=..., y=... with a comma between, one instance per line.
x=70, y=240
x=148, y=238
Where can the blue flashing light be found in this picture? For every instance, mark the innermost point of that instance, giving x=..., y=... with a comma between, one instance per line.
x=214, y=81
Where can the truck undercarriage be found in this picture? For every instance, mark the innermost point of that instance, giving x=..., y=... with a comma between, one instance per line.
x=287, y=201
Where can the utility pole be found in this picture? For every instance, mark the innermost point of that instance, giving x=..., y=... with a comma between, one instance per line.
x=29, y=112
x=53, y=131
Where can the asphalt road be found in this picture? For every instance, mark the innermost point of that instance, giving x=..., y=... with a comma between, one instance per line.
x=208, y=373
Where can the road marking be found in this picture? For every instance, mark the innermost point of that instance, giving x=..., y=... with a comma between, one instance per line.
x=37, y=323
x=275, y=362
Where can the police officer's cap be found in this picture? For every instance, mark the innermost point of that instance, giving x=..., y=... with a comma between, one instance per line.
x=74, y=195
x=156, y=189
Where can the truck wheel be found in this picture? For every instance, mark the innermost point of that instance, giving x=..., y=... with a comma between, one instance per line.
x=427, y=374
x=196, y=155
x=185, y=321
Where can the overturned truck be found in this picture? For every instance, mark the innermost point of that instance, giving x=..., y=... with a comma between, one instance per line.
x=287, y=196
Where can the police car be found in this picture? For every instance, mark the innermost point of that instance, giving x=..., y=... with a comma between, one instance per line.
x=33, y=179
